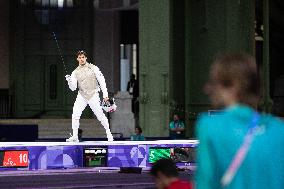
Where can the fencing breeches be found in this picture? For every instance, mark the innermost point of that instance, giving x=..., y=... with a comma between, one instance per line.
x=94, y=103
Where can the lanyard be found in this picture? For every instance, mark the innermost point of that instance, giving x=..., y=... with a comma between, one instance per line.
x=242, y=152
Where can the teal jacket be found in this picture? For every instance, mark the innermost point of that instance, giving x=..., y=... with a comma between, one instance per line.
x=137, y=137
x=180, y=124
x=221, y=136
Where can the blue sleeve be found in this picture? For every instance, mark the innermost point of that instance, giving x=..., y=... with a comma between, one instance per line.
x=172, y=126
x=205, y=163
x=182, y=124
x=142, y=137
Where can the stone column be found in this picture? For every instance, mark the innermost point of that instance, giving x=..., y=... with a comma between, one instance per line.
x=155, y=56
x=122, y=120
x=266, y=101
x=4, y=46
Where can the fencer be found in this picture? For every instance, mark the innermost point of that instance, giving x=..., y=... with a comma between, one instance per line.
x=90, y=81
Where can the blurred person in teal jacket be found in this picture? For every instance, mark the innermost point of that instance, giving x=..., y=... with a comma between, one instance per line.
x=233, y=87
x=177, y=129
x=138, y=134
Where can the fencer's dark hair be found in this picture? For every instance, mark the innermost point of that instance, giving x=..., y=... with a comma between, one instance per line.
x=165, y=166
x=81, y=52
x=139, y=129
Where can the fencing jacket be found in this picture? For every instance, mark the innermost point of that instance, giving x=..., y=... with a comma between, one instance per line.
x=90, y=80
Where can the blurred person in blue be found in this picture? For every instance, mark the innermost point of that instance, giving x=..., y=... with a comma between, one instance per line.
x=138, y=134
x=177, y=130
x=240, y=148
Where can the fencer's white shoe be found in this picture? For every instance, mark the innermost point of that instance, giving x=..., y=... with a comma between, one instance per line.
x=72, y=139
x=109, y=138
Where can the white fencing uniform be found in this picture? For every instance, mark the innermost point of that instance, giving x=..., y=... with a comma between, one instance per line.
x=90, y=80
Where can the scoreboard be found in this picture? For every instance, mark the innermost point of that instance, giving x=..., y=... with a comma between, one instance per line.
x=177, y=154
x=14, y=158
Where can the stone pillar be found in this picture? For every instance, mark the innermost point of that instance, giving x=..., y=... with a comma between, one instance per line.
x=266, y=101
x=155, y=56
x=4, y=46
x=122, y=120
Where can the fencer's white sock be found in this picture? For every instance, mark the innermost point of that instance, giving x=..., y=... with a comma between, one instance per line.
x=109, y=135
x=108, y=132
x=75, y=133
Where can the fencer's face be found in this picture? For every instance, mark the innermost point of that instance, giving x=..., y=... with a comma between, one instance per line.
x=81, y=59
